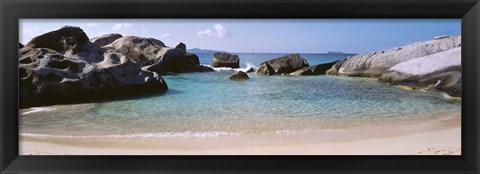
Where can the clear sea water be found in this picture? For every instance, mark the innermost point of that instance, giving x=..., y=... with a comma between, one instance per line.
x=255, y=59
x=208, y=104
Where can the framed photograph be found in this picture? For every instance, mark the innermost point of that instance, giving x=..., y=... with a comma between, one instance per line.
x=239, y=86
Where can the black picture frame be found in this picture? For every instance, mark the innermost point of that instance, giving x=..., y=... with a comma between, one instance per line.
x=11, y=11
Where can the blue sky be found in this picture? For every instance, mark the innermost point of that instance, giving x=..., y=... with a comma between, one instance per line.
x=262, y=35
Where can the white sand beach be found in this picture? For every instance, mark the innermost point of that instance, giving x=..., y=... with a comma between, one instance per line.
x=439, y=136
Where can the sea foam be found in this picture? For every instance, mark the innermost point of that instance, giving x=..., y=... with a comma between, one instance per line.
x=39, y=109
x=248, y=66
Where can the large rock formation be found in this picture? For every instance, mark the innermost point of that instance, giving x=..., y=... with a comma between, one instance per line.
x=177, y=61
x=375, y=63
x=224, y=59
x=105, y=39
x=434, y=64
x=153, y=55
x=62, y=66
x=285, y=64
x=59, y=39
x=144, y=51
x=442, y=71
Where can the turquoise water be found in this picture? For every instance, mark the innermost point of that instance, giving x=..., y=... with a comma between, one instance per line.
x=255, y=59
x=208, y=104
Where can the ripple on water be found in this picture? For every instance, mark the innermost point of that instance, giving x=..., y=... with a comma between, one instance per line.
x=210, y=103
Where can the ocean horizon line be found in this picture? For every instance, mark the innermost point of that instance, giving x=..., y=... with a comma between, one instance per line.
x=204, y=50
x=290, y=53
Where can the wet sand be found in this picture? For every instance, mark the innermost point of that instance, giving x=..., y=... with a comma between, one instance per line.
x=436, y=136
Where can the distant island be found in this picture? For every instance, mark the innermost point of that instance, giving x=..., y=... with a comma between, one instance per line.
x=335, y=52
x=198, y=50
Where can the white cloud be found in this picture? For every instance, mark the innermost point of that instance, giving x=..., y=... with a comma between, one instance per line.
x=219, y=31
x=91, y=24
x=130, y=29
x=166, y=35
x=122, y=26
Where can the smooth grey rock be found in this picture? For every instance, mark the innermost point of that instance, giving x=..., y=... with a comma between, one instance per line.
x=373, y=64
x=105, y=39
x=265, y=69
x=153, y=55
x=224, y=59
x=55, y=40
x=177, y=61
x=441, y=71
x=144, y=51
x=282, y=65
x=240, y=75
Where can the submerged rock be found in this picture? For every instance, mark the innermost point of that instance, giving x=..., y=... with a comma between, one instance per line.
x=240, y=75
x=373, y=64
x=223, y=59
x=251, y=69
x=285, y=64
x=105, y=39
x=62, y=66
x=441, y=71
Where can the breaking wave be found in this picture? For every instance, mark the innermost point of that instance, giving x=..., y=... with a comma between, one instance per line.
x=248, y=67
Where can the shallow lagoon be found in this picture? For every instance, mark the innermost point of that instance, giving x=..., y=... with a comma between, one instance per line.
x=208, y=104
